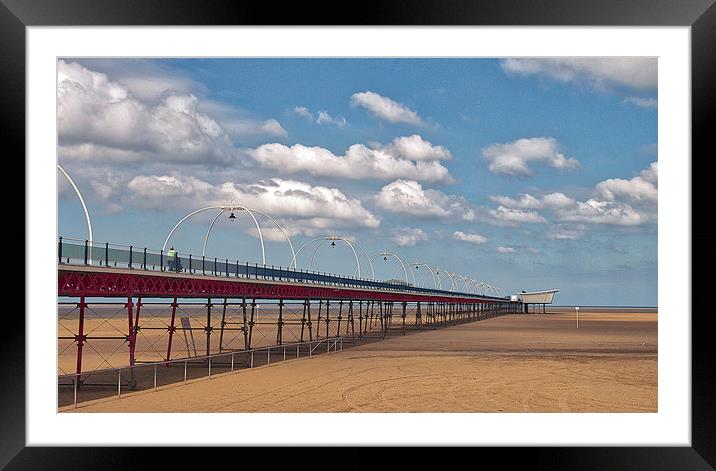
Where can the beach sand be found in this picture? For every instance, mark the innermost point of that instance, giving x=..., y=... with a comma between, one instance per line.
x=513, y=363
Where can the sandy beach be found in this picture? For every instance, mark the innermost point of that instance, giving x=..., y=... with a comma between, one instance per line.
x=513, y=363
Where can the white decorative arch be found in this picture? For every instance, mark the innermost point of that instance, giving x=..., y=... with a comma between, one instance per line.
x=432, y=272
x=351, y=244
x=385, y=253
x=439, y=271
x=258, y=229
x=492, y=289
x=84, y=208
x=486, y=288
x=474, y=285
x=464, y=281
x=234, y=208
x=285, y=235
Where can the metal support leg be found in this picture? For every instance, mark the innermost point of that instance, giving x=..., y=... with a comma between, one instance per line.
x=404, y=306
x=382, y=318
x=318, y=322
x=360, y=319
x=80, y=339
x=279, y=324
x=245, y=326
x=328, y=318
x=310, y=324
x=303, y=320
x=352, y=322
x=251, y=325
x=223, y=323
x=340, y=316
x=130, y=330
x=172, y=328
x=208, y=327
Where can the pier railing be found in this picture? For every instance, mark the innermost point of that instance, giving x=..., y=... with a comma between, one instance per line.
x=74, y=389
x=79, y=252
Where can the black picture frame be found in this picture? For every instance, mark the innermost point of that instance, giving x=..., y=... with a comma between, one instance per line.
x=700, y=15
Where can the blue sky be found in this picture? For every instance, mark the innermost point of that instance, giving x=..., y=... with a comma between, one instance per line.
x=523, y=173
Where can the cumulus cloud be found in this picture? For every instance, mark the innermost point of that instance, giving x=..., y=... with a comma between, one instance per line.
x=640, y=188
x=384, y=108
x=512, y=158
x=304, y=205
x=651, y=103
x=358, y=162
x=619, y=202
x=516, y=216
x=527, y=201
x=614, y=201
x=505, y=250
x=416, y=148
x=409, y=197
x=468, y=237
x=102, y=116
x=604, y=212
x=408, y=236
x=599, y=72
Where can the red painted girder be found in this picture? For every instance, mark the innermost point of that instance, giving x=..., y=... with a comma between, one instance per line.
x=97, y=283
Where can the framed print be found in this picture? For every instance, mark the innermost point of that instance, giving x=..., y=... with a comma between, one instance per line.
x=426, y=226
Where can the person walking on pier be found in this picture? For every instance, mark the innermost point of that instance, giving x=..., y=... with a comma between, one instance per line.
x=172, y=259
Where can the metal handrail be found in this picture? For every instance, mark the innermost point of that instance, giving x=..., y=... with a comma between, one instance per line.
x=153, y=260
x=76, y=377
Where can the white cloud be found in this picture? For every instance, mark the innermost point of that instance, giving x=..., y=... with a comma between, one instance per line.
x=516, y=216
x=385, y=108
x=604, y=212
x=408, y=236
x=614, y=201
x=557, y=200
x=99, y=115
x=640, y=188
x=359, y=162
x=92, y=109
x=467, y=237
x=303, y=205
x=599, y=72
x=527, y=201
x=409, y=197
x=502, y=249
x=512, y=158
x=303, y=111
x=651, y=103
x=619, y=202
x=416, y=148
x=325, y=118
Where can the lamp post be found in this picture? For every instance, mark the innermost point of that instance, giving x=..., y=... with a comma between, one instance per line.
x=576, y=308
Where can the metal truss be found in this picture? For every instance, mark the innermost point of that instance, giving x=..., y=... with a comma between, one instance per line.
x=113, y=283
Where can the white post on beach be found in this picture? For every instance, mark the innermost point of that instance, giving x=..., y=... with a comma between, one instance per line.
x=576, y=308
